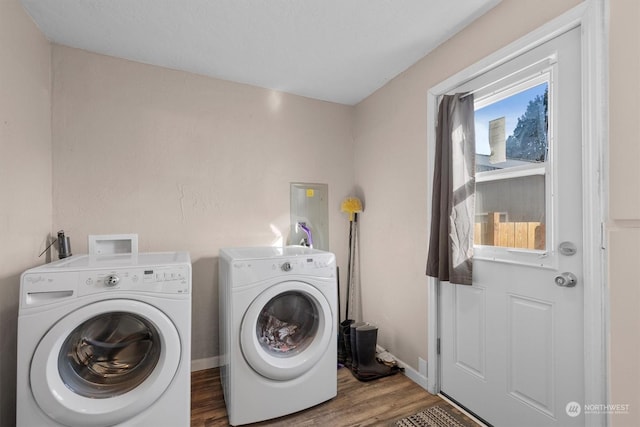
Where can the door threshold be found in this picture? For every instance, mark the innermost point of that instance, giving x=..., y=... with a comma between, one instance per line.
x=478, y=420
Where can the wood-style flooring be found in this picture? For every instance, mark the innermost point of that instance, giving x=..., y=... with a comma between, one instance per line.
x=358, y=403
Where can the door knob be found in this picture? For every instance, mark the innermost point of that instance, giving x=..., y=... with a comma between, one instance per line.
x=566, y=280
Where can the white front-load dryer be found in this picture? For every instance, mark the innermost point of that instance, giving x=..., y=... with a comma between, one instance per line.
x=278, y=309
x=105, y=341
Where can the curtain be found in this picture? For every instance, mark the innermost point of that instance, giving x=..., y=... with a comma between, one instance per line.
x=453, y=205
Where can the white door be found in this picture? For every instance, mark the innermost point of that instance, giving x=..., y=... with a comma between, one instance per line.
x=512, y=343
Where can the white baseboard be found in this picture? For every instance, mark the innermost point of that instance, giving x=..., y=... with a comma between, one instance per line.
x=409, y=372
x=206, y=363
x=412, y=374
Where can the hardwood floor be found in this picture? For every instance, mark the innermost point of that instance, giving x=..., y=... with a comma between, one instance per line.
x=358, y=403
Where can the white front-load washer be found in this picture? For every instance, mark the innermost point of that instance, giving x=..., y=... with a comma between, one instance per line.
x=278, y=309
x=105, y=341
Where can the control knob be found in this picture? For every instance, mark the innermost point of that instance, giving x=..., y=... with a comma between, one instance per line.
x=111, y=280
x=286, y=266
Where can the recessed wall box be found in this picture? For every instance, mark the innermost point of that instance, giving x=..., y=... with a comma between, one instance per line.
x=107, y=244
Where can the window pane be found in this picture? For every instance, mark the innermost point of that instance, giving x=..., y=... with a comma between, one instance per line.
x=511, y=133
x=511, y=213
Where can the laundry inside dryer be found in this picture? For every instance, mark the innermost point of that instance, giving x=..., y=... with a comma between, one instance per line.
x=288, y=323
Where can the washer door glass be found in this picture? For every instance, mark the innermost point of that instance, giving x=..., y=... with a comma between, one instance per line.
x=286, y=330
x=105, y=363
x=109, y=354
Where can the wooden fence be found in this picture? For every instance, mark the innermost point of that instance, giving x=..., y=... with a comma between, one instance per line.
x=526, y=235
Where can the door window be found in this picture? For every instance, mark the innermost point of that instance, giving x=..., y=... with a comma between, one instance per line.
x=109, y=354
x=513, y=125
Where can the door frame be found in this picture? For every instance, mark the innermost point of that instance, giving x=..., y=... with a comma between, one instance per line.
x=592, y=17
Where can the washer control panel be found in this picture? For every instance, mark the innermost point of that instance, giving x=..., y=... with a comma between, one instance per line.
x=165, y=279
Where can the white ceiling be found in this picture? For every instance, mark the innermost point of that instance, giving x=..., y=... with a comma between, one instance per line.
x=333, y=50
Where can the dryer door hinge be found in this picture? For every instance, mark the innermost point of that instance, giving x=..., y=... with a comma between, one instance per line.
x=438, y=346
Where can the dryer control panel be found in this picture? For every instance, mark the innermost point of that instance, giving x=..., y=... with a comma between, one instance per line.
x=248, y=271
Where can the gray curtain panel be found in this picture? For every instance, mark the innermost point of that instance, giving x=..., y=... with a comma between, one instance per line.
x=453, y=206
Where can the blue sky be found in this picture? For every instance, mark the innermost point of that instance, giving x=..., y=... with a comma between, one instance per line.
x=511, y=108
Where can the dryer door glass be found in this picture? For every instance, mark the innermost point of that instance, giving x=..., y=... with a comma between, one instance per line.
x=109, y=354
x=287, y=324
x=287, y=329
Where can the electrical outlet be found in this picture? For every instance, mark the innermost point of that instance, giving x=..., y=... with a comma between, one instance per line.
x=422, y=366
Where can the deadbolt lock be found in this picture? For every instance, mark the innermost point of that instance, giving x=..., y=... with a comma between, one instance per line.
x=567, y=248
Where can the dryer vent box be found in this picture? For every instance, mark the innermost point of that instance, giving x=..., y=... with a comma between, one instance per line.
x=109, y=244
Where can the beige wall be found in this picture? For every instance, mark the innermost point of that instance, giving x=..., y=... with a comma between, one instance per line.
x=25, y=174
x=189, y=163
x=624, y=221
x=390, y=159
x=390, y=165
